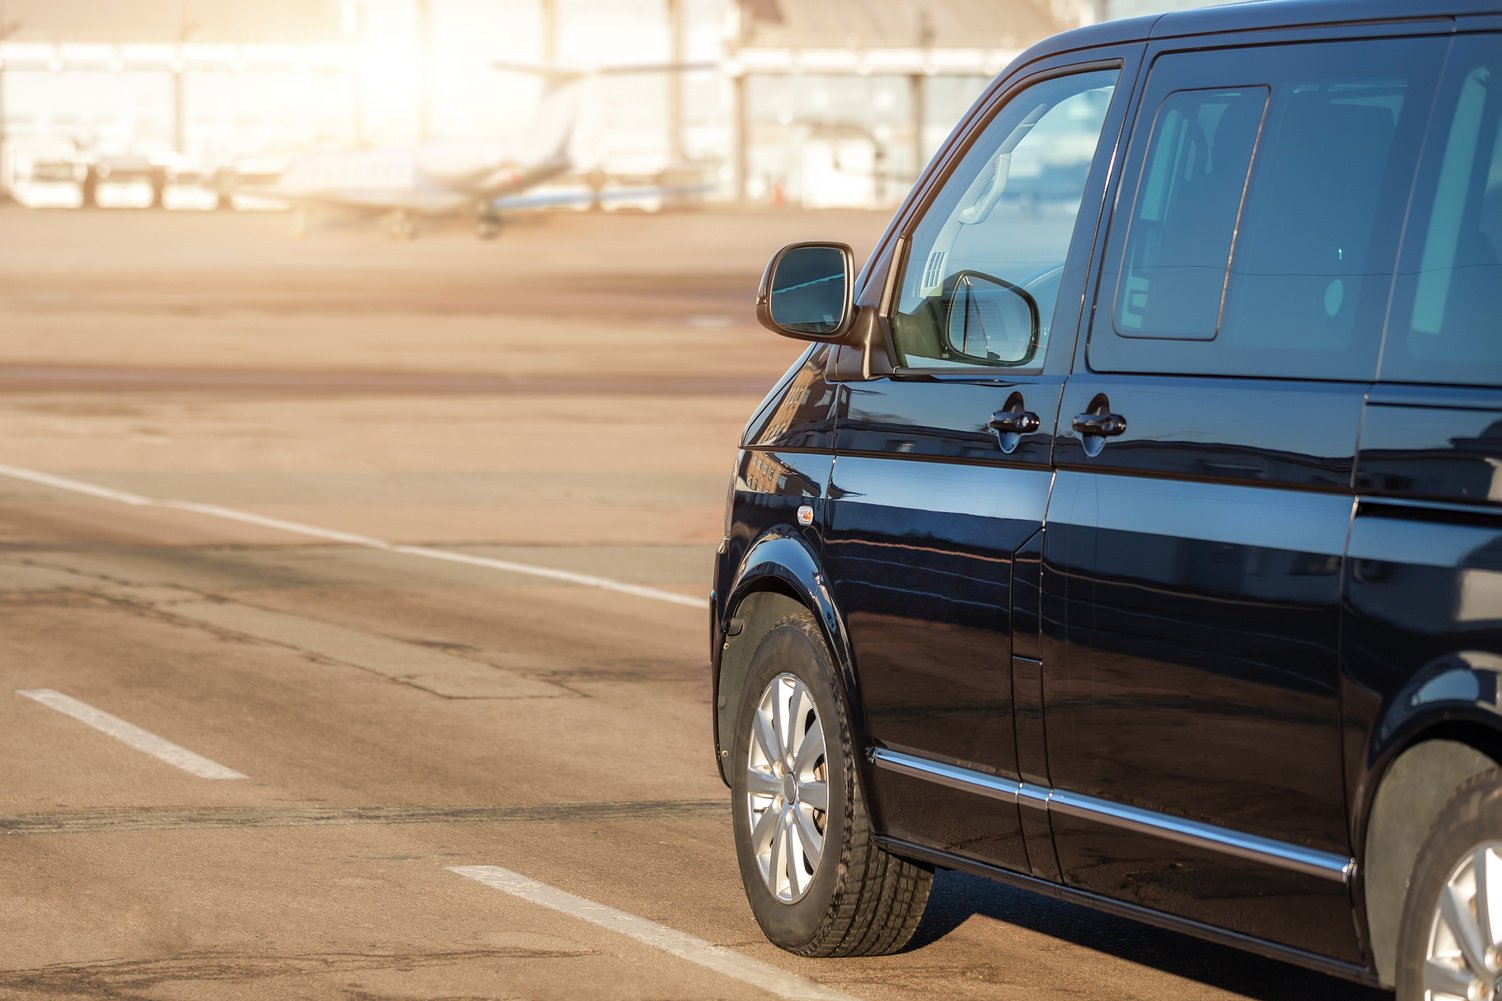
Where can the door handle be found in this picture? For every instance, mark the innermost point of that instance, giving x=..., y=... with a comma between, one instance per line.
x=1014, y=422
x=1105, y=425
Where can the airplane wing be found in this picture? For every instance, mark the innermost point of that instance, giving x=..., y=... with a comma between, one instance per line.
x=558, y=199
x=413, y=201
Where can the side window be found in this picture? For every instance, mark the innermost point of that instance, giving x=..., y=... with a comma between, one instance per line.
x=1444, y=325
x=982, y=273
x=1257, y=229
x=1179, y=243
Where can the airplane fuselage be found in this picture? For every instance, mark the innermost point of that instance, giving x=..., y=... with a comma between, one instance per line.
x=421, y=181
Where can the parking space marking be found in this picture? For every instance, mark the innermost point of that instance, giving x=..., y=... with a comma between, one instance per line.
x=131, y=735
x=717, y=958
x=350, y=538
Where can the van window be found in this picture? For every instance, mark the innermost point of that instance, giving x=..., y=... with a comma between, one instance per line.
x=1446, y=323
x=1179, y=245
x=982, y=272
x=1261, y=230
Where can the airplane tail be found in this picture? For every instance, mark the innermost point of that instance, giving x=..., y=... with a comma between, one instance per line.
x=551, y=132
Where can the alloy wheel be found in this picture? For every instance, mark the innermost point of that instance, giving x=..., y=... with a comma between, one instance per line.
x=1464, y=961
x=787, y=787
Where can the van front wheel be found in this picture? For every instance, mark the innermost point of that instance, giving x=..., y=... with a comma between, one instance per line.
x=817, y=883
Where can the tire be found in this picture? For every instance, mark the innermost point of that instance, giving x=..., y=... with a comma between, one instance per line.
x=1443, y=897
x=841, y=895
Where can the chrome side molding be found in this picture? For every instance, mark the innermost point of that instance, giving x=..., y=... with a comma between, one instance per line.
x=1294, y=858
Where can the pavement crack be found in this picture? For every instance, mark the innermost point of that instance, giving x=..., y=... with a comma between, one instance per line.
x=140, y=978
x=449, y=670
x=111, y=821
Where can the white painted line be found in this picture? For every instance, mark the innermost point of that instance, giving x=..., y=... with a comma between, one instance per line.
x=587, y=580
x=74, y=485
x=129, y=733
x=297, y=528
x=351, y=539
x=717, y=958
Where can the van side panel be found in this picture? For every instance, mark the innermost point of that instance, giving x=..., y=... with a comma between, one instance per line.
x=1193, y=558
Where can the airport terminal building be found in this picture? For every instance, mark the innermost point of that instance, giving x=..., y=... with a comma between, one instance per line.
x=819, y=103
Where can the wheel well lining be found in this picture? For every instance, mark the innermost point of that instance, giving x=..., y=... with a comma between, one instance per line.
x=1412, y=791
x=773, y=600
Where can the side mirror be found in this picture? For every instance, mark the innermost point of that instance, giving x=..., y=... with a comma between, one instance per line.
x=806, y=292
x=991, y=321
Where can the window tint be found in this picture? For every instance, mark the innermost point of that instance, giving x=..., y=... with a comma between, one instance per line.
x=1261, y=233
x=982, y=273
x=1446, y=323
x=1180, y=239
x=1315, y=262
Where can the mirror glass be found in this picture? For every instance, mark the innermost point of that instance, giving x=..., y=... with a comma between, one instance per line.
x=809, y=290
x=991, y=320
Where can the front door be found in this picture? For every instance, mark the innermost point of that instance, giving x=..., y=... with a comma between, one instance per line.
x=941, y=472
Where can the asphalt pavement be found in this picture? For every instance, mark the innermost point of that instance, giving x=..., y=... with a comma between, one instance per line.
x=352, y=608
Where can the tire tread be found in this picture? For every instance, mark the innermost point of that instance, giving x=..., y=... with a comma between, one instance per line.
x=1471, y=815
x=881, y=899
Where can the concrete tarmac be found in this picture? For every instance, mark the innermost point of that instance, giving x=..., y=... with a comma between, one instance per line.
x=557, y=405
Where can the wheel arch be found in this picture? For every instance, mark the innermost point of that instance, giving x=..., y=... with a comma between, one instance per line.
x=1415, y=776
x=779, y=575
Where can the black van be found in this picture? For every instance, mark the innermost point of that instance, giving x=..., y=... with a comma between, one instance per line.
x=1131, y=530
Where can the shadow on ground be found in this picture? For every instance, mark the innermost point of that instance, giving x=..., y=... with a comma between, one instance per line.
x=958, y=896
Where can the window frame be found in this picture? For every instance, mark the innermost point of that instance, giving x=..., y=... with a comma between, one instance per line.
x=1082, y=239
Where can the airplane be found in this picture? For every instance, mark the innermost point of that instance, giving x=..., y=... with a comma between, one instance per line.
x=453, y=177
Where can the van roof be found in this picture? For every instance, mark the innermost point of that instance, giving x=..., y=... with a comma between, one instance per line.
x=1252, y=15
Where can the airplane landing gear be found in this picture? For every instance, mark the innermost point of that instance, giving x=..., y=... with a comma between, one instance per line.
x=488, y=226
x=400, y=226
